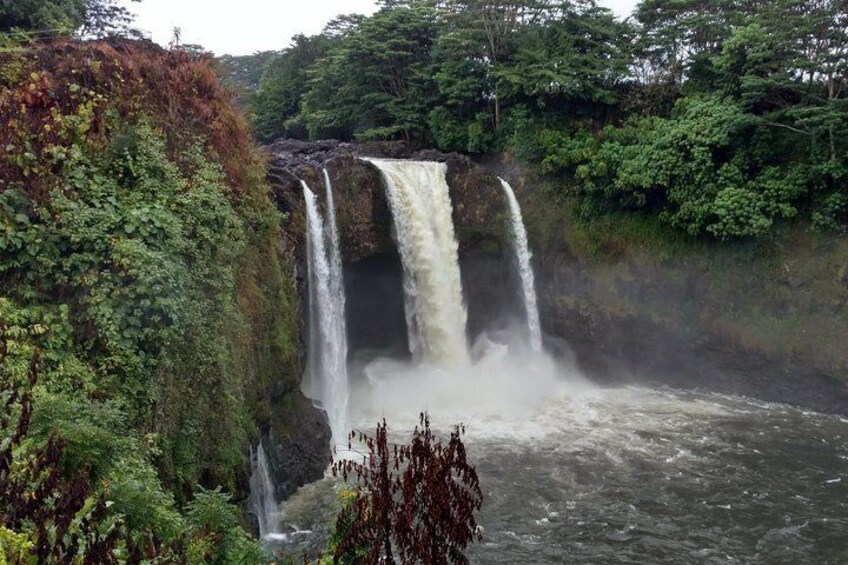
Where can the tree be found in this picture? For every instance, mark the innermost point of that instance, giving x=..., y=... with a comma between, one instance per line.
x=488, y=29
x=790, y=66
x=415, y=501
x=244, y=73
x=42, y=15
x=678, y=36
x=578, y=55
x=276, y=104
x=816, y=33
x=88, y=17
x=377, y=83
x=107, y=17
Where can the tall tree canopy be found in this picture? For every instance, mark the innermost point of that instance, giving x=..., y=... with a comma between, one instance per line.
x=88, y=17
x=722, y=116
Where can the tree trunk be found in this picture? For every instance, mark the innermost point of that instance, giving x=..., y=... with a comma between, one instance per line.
x=497, y=111
x=832, y=144
x=831, y=95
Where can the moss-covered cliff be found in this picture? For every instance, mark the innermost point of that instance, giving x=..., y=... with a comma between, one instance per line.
x=638, y=302
x=142, y=254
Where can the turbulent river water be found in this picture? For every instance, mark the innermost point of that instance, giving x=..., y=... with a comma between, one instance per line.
x=574, y=473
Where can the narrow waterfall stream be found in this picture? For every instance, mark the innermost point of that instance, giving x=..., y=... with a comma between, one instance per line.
x=326, y=376
x=263, y=503
x=521, y=249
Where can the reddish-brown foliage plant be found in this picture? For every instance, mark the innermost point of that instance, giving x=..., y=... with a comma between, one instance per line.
x=38, y=497
x=56, y=94
x=415, y=502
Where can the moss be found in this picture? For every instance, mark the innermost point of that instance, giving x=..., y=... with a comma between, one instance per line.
x=785, y=296
x=134, y=134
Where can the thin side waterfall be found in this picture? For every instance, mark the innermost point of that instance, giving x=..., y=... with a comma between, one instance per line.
x=435, y=310
x=523, y=256
x=326, y=377
x=263, y=503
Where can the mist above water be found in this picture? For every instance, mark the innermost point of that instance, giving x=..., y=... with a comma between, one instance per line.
x=503, y=385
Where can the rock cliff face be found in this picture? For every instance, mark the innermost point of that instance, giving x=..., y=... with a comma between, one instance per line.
x=767, y=320
x=298, y=451
x=297, y=447
x=654, y=329
x=632, y=316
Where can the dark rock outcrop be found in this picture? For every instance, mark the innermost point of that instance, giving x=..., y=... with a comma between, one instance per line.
x=616, y=343
x=363, y=213
x=298, y=450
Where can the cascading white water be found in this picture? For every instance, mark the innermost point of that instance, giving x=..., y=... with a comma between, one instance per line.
x=336, y=367
x=326, y=376
x=435, y=310
x=263, y=503
x=523, y=256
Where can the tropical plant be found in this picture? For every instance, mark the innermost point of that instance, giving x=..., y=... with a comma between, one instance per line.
x=414, y=502
x=46, y=515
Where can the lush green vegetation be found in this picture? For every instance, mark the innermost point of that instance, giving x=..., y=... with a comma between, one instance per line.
x=244, y=73
x=64, y=17
x=723, y=119
x=140, y=266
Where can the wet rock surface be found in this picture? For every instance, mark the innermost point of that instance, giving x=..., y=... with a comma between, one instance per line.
x=630, y=321
x=622, y=347
x=298, y=451
x=372, y=264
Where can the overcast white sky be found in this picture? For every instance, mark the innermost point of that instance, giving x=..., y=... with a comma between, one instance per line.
x=247, y=26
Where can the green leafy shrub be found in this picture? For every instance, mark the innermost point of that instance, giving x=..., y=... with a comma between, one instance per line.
x=217, y=536
x=137, y=237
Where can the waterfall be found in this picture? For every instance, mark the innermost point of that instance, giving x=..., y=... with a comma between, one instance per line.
x=523, y=256
x=435, y=311
x=326, y=375
x=262, y=502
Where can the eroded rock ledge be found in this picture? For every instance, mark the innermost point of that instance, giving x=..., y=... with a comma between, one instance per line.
x=362, y=210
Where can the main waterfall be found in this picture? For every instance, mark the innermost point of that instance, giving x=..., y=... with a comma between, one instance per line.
x=326, y=378
x=435, y=311
x=525, y=270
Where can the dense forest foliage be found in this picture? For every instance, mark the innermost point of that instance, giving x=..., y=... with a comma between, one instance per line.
x=721, y=118
x=243, y=73
x=51, y=18
x=146, y=309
